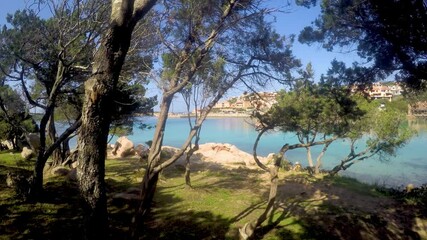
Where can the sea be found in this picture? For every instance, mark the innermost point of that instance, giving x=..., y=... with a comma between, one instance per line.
x=408, y=166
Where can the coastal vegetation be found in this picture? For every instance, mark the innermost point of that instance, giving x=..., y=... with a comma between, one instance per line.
x=89, y=62
x=320, y=114
x=222, y=200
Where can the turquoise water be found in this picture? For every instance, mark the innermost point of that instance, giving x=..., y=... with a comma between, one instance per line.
x=409, y=166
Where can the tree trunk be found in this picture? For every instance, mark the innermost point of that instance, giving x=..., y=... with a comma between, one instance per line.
x=187, y=174
x=319, y=158
x=93, y=136
x=65, y=151
x=309, y=158
x=57, y=159
x=149, y=182
x=248, y=230
x=96, y=112
x=147, y=195
x=36, y=182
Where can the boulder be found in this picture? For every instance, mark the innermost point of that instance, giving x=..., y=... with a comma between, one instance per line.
x=33, y=140
x=123, y=147
x=226, y=154
x=20, y=182
x=74, y=164
x=60, y=171
x=168, y=152
x=409, y=188
x=270, y=157
x=124, y=198
x=27, y=153
x=142, y=151
x=8, y=144
x=297, y=167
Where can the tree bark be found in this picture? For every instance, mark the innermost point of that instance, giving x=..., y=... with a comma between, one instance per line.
x=248, y=229
x=96, y=112
x=36, y=183
x=319, y=158
x=309, y=158
x=149, y=182
x=57, y=159
x=187, y=174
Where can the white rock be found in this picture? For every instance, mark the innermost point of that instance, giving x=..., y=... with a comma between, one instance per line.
x=8, y=144
x=123, y=147
x=27, y=153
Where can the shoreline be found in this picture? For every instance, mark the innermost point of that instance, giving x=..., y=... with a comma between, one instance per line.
x=210, y=115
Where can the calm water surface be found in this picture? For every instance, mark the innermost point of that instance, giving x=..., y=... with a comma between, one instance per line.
x=408, y=166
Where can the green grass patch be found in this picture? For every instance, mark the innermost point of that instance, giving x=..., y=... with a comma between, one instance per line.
x=355, y=185
x=219, y=202
x=14, y=159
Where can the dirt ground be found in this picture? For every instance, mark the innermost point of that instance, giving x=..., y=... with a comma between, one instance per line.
x=334, y=211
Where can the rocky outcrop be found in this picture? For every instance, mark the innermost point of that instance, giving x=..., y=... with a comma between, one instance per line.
x=27, y=153
x=123, y=148
x=7, y=144
x=60, y=171
x=142, y=151
x=223, y=153
x=131, y=195
x=33, y=140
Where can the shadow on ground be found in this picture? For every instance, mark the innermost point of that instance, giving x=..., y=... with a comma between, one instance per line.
x=305, y=209
x=323, y=210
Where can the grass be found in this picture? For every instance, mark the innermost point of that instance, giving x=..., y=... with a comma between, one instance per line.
x=355, y=185
x=218, y=204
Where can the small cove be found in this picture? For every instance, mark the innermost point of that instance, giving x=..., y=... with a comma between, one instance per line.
x=408, y=166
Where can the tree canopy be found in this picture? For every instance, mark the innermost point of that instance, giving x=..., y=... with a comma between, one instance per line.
x=391, y=37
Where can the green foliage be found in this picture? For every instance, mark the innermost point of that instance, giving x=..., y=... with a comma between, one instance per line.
x=33, y=50
x=311, y=110
x=391, y=37
x=388, y=130
x=129, y=101
x=14, y=117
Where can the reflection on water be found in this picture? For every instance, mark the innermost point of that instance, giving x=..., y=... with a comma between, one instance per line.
x=418, y=124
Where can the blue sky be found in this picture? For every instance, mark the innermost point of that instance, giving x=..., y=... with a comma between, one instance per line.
x=291, y=21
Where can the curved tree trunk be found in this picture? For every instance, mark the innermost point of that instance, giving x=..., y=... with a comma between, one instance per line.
x=149, y=182
x=187, y=174
x=319, y=158
x=65, y=151
x=147, y=195
x=248, y=230
x=36, y=183
x=57, y=159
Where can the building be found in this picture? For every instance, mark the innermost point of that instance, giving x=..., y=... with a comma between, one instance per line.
x=248, y=102
x=381, y=90
x=418, y=109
